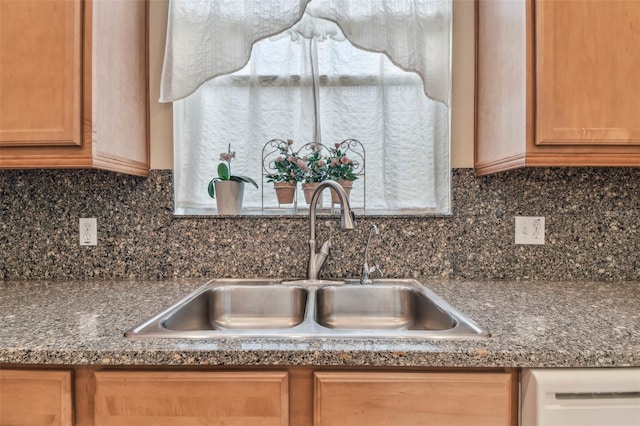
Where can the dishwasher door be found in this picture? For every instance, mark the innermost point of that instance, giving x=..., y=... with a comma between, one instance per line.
x=580, y=397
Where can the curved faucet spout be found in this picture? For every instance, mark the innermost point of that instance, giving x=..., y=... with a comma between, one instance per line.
x=347, y=222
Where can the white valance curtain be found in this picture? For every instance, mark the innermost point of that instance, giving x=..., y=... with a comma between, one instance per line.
x=209, y=38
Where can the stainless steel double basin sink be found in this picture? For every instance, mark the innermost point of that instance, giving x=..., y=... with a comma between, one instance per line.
x=398, y=308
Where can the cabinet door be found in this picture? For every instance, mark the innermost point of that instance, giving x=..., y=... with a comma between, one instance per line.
x=40, y=77
x=191, y=398
x=420, y=399
x=74, y=85
x=35, y=397
x=588, y=72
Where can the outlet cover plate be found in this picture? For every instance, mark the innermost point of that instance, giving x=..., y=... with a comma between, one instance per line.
x=529, y=229
x=88, y=231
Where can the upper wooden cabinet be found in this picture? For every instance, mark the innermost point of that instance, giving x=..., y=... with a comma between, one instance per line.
x=73, y=85
x=40, y=80
x=557, y=83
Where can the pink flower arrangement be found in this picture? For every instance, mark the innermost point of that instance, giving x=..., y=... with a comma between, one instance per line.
x=340, y=167
x=315, y=165
x=287, y=166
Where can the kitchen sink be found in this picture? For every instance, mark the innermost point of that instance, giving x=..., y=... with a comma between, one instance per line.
x=387, y=308
x=379, y=307
x=241, y=307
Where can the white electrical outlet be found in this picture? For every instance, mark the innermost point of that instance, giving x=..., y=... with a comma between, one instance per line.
x=529, y=229
x=88, y=231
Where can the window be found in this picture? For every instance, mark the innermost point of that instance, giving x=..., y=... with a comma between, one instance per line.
x=310, y=84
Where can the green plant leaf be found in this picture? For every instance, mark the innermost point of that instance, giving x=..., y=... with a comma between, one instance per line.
x=223, y=171
x=212, y=189
x=245, y=179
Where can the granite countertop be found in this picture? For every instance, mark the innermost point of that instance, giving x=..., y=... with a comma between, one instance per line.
x=533, y=324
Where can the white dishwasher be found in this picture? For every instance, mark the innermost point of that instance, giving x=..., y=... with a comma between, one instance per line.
x=580, y=397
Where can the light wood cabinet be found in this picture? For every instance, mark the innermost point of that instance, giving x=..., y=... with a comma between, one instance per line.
x=35, y=397
x=557, y=83
x=191, y=398
x=278, y=396
x=40, y=82
x=73, y=85
x=420, y=399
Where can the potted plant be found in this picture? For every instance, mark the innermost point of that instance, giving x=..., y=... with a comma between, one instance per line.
x=314, y=171
x=341, y=169
x=228, y=189
x=288, y=173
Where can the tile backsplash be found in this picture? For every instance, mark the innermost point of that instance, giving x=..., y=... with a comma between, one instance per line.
x=592, y=230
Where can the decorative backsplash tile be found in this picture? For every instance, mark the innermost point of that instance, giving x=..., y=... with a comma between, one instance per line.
x=592, y=230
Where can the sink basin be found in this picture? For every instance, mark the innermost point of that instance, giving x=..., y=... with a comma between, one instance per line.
x=241, y=307
x=379, y=307
x=400, y=308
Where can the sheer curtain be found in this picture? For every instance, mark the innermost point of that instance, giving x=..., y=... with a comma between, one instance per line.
x=354, y=93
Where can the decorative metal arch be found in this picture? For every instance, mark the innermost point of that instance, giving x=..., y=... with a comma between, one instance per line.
x=353, y=148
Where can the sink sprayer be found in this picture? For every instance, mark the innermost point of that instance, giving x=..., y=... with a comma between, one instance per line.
x=366, y=269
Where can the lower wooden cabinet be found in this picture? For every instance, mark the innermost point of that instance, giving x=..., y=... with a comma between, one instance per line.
x=35, y=398
x=420, y=399
x=191, y=398
x=260, y=396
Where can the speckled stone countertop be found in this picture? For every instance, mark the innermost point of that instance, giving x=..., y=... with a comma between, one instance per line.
x=533, y=324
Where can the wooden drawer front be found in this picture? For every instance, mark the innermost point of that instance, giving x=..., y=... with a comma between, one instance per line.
x=41, y=398
x=191, y=398
x=424, y=399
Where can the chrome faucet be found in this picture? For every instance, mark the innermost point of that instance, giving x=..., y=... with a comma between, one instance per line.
x=347, y=222
x=366, y=269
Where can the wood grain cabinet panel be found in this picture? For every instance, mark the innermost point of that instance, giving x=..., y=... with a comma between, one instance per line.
x=35, y=398
x=191, y=398
x=414, y=399
x=588, y=72
x=40, y=77
x=557, y=83
x=74, y=85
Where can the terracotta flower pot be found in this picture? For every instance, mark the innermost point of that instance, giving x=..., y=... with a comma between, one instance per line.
x=229, y=194
x=346, y=185
x=285, y=191
x=308, y=189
